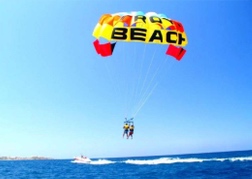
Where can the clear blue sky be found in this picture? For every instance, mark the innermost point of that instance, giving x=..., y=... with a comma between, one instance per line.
x=58, y=98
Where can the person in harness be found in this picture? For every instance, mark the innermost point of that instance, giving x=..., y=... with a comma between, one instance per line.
x=131, y=131
x=128, y=128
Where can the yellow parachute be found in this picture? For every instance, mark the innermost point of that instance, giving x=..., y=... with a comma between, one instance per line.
x=139, y=27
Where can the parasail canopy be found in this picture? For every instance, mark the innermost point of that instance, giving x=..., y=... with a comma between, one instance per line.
x=140, y=27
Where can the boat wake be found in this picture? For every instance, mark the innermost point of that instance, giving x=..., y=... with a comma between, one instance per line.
x=95, y=162
x=167, y=160
x=102, y=162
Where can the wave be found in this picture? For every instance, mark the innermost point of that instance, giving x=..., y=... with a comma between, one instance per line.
x=167, y=160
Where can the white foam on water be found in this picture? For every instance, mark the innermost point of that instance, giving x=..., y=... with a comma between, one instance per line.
x=94, y=162
x=234, y=159
x=101, y=162
x=167, y=160
x=163, y=161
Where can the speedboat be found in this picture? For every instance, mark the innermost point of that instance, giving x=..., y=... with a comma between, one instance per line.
x=81, y=159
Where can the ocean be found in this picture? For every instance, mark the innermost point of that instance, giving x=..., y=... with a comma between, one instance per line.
x=224, y=165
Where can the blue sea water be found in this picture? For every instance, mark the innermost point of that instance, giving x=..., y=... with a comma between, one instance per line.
x=224, y=165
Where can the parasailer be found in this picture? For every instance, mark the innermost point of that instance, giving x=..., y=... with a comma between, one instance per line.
x=126, y=130
x=143, y=28
x=131, y=130
x=128, y=127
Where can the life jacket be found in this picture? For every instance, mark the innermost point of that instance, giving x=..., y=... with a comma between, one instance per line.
x=126, y=127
